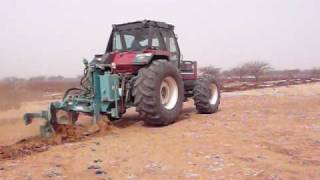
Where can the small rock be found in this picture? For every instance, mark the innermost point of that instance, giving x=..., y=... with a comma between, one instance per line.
x=94, y=166
x=317, y=142
x=53, y=172
x=260, y=157
x=215, y=168
x=132, y=176
x=92, y=149
x=100, y=172
x=252, y=172
x=191, y=175
x=1, y=168
x=41, y=148
x=97, y=143
x=82, y=145
x=97, y=161
x=107, y=178
x=275, y=177
x=191, y=163
x=154, y=166
x=58, y=165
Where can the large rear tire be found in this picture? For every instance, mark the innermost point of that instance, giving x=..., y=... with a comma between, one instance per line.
x=207, y=95
x=158, y=93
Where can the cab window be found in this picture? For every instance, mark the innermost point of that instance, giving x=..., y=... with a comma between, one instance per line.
x=170, y=43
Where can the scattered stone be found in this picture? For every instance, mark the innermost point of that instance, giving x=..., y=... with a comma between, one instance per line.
x=41, y=148
x=53, y=172
x=86, y=133
x=212, y=157
x=28, y=176
x=82, y=145
x=92, y=149
x=13, y=164
x=190, y=174
x=192, y=163
x=107, y=178
x=100, y=172
x=97, y=143
x=1, y=168
x=154, y=166
x=260, y=157
x=216, y=162
x=97, y=161
x=317, y=142
x=68, y=145
x=132, y=176
x=94, y=166
x=275, y=177
x=251, y=172
x=213, y=167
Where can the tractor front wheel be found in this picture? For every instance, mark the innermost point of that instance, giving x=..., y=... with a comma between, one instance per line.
x=206, y=95
x=158, y=93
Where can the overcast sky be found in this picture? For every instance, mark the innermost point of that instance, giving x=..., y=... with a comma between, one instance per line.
x=40, y=37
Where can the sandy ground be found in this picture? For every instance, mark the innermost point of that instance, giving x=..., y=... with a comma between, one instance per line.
x=257, y=134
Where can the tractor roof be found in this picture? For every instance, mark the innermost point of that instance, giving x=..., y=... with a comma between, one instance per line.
x=142, y=24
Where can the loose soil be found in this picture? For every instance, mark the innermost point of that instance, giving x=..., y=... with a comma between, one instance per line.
x=271, y=133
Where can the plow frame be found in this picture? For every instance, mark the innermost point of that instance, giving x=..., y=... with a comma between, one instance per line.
x=102, y=98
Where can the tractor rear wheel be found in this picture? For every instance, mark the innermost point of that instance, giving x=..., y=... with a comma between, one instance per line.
x=206, y=95
x=158, y=93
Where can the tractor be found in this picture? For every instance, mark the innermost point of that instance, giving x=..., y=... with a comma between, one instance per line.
x=142, y=68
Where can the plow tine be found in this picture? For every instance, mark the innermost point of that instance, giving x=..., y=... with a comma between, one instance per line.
x=28, y=117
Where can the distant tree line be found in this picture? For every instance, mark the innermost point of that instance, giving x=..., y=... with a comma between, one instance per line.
x=57, y=78
x=258, y=70
x=249, y=70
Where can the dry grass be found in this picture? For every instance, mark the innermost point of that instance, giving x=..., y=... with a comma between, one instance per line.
x=13, y=93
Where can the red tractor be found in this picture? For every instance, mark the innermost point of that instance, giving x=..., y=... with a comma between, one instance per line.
x=142, y=67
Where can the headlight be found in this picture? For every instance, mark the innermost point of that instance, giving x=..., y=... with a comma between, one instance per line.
x=113, y=65
x=143, y=55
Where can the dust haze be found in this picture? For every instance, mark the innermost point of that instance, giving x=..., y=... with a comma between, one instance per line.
x=51, y=38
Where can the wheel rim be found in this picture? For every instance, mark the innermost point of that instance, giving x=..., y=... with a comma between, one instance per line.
x=169, y=93
x=214, y=94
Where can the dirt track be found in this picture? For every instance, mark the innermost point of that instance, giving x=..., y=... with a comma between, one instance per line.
x=266, y=134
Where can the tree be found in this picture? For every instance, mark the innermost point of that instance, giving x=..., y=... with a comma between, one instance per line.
x=315, y=72
x=239, y=71
x=38, y=79
x=257, y=68
x=290, y=73
x=56, y=78
x=210, y=70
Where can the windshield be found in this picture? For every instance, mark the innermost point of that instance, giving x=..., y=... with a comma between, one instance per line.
x=135, y=39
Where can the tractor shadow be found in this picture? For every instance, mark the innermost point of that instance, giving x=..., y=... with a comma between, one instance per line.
x=133, y=119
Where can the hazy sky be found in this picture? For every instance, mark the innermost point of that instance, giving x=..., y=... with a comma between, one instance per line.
x=50, y=37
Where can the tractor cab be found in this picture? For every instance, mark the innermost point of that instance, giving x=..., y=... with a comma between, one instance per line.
x=140, y=42
x=133, y=45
